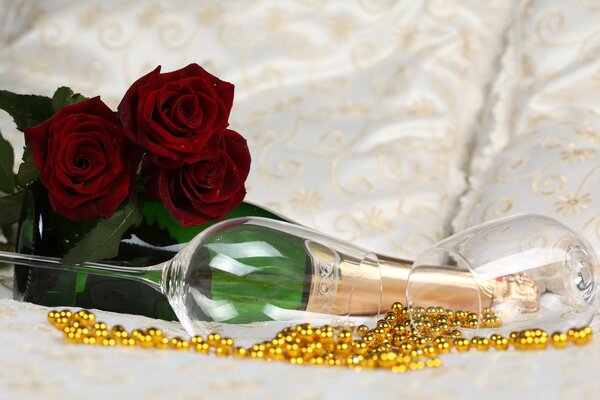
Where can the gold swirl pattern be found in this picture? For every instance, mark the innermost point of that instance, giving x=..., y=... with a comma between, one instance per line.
x=551, y=159
x=356, y=115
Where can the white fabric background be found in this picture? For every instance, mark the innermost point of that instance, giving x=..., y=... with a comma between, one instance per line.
x=357, y=112
x=542, y=154
x=360, y=116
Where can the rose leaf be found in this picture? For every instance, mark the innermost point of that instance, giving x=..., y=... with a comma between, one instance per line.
x=103, y=240
x=64, y=96
x=10, y=208
x=26, y=110
x=7, y=159
x=28, y=171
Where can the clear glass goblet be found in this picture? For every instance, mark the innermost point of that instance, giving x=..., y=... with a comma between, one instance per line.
x=530, y=271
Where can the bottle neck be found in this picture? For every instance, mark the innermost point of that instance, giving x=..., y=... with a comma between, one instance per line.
x=440, y=286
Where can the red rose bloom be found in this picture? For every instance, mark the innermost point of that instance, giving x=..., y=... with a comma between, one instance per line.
x=207, y=189
x=173, y=115
x=85, y=161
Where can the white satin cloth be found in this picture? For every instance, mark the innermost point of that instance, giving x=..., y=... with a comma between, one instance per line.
x=386, y=123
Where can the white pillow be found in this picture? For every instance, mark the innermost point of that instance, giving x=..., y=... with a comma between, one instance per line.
x=357, y=113
x=542, y=154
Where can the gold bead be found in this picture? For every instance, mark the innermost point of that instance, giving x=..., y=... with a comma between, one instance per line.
x=472, y=323
x=73, y=337
x=455, y=333
x=397, y=307
x=213, y=339
x=385, y=325
x=204, y=348
x=480, y=343
x=118, y=332
x=100, y=330
x=443, y=347
x=179, y=344
x=398, y=369
x=138, y=333
x=460, y=315
x=161, y=342
x=419, y=342
x=155, y=332
x=345, y=336
x=580, y=336
x=52, y=315
x=462, y=344
x=84, y=317
x=194, y=340
x=91, y=340
x=390, y=317
x=61, y=322
x=387, y=359
x=223, y=351
x=406, y=347
x=127, y=342
x=400, y=329
x=432, y=312
x=433, y=363
x=360, y=347
x=145, y=341
x=108, y=341
x=363, y=329
x=239, y=352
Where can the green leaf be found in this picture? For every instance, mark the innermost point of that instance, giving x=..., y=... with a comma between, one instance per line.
x=27, y=110
x=10, y=208
x=103, y=240
x=7, y=160
x=64, y=96
x=28, y=171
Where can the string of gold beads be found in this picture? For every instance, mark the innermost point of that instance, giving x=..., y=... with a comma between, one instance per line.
x=392, y=344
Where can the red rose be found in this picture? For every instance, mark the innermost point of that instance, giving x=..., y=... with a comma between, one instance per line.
x=85, y=161
x=207, y=189
x=173, y=115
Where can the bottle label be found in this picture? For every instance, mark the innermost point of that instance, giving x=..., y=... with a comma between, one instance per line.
x=325, y=278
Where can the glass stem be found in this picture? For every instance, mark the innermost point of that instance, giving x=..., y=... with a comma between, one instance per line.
x=151, y=276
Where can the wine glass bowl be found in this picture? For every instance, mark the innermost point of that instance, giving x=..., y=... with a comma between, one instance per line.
x=527, y=271
x=251, y=270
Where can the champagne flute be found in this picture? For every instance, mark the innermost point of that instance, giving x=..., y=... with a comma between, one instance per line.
x=251, y=269
x=530, y=271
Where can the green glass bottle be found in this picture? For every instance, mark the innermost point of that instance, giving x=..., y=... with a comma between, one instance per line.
x=157, y=239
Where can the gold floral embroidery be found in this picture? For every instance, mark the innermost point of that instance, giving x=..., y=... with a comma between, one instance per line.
x=150, y=14
x=573, y=154
x=339, y=28
x=375, y=220
x=89, y=16
x=573, y=203
x=407, y=35
x=306, y=200
x=209, y=13
x=275, y=19
x=355, y=108
x=422, y=107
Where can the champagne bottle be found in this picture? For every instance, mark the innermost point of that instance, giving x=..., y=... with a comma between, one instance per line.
x=259, y=272
x=157, y=239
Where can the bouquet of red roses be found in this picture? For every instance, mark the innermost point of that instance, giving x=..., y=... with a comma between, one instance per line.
x=168, y=139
